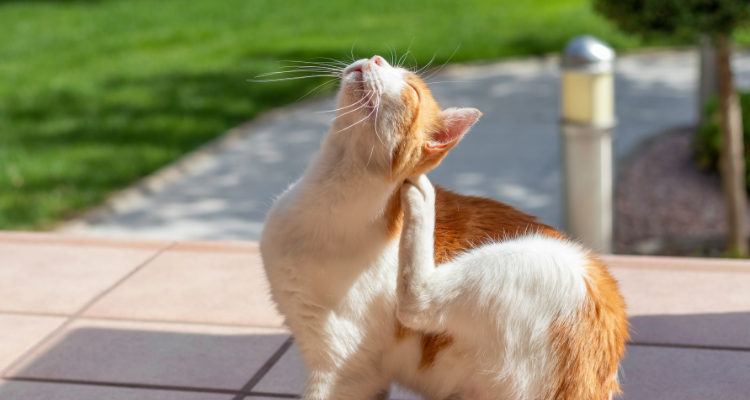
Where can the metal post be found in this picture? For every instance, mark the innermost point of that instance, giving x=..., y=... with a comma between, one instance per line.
x=587, y=125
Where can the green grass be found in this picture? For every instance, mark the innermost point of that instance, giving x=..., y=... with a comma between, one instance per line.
x=96, y=94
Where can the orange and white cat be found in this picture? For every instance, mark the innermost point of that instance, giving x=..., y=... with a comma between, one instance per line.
x=382, y=277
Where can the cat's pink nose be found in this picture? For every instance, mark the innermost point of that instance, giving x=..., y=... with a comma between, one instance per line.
x=356, y=67
x=379, y=61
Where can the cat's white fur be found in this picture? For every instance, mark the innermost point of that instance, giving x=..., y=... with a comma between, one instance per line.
x=341, y=283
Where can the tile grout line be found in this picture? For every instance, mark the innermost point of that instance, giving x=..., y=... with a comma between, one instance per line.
x=688, y=346
x=190, y=389
x=178, y=322
x=34, y=314
x=71, y=318
x=123, y=385
x=248, y=387
x=273, y=395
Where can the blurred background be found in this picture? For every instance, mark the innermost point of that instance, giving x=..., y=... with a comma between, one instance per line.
x=97, y=94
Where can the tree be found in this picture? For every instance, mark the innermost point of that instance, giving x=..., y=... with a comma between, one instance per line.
x=718, y=19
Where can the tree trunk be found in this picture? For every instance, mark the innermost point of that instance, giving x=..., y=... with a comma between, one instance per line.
x=732, y=160
x=707, y=80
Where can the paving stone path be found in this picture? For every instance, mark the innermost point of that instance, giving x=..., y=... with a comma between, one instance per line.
x=512, y=154
x=131, y=319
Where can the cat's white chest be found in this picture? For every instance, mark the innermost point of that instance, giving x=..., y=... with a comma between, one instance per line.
x=350, y=283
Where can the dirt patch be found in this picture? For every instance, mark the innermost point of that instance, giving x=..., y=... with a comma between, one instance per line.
x=665, y=204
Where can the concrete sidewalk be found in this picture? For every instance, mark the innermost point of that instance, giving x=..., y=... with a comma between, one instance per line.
x=512, y=154
x=96, y=318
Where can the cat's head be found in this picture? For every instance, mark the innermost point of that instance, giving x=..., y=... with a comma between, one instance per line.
x=388, y=117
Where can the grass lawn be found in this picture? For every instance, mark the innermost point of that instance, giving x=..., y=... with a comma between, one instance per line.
x=96, y=94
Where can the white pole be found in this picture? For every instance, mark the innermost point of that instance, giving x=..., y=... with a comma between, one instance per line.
x=587, y=125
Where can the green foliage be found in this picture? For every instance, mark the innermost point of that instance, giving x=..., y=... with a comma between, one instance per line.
x=708, y=141
x=95, y=94
x=675, y=17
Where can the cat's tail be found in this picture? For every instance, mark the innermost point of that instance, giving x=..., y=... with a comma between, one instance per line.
x=590, y=343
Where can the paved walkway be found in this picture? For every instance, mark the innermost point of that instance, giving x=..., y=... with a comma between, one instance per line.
x=511, y=154
x=99, y=318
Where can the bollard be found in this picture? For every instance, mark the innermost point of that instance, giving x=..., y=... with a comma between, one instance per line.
x=587, y=126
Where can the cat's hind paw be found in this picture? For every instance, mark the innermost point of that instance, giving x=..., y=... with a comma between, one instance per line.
x=418, y=197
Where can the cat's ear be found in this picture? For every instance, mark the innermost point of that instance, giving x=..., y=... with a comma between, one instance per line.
x=457, y=122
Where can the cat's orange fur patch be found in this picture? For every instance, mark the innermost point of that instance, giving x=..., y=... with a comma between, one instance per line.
x=420, y=122
x=589, y=345
x=432, y=343
x=462, y=223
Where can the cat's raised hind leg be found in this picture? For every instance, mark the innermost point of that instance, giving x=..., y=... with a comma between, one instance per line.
x=429, y=298
x=416, y=308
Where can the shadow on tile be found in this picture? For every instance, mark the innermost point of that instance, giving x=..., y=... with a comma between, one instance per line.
x=225, y=357
x=212, y=357
x=665, y=373
x=730, y=330
x=288, y=376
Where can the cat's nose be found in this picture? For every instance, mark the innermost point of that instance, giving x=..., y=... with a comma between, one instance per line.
x=380, y=61
x=356, y=67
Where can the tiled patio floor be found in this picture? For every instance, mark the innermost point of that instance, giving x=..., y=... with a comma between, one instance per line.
x=84, y=319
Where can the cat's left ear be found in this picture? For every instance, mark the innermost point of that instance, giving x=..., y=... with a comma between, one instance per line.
x=457, y=122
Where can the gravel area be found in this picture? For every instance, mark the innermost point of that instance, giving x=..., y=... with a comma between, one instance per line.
x=665, y=204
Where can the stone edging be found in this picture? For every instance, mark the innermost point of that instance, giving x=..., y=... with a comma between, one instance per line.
x=125, y=199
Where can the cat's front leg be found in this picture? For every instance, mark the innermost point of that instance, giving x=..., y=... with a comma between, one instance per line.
x=347, y=385
x=416, y=262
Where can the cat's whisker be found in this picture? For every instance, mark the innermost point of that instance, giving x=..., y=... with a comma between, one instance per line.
x=416, y=64
x=444, y=64
x=403, y=58
x=352, y=50
x=351, y=111
x=300, y=68
x=334, y=62
x=313, y=67
x=377, y=109
x=323, y=71
x=317, y=87
x=316, y=65
x=367, y=99
x=291, y=78
x=341, y=108
x=370, y=158
x=390, y=54
x=356, y=123
x=435, y=83
x=427, y=65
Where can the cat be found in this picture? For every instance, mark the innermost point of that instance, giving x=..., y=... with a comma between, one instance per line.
x=383, y=277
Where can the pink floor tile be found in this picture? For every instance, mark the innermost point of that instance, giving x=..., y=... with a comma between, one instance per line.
x=201, y=282
x=58, y=278
x=19, y=333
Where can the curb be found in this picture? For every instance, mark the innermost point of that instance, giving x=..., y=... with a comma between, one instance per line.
x=122, y=200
